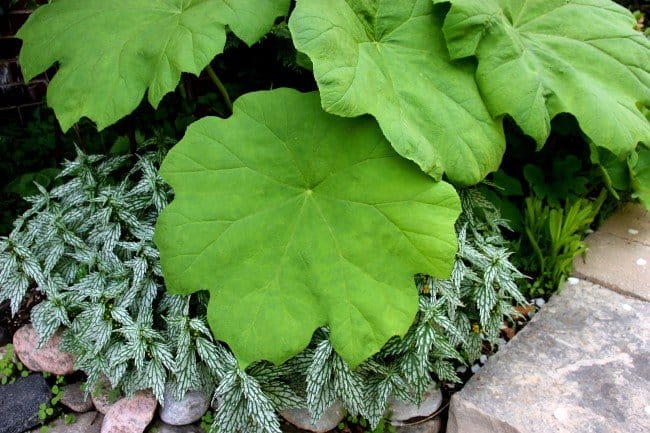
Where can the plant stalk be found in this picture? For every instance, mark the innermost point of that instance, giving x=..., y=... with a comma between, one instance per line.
x=222, y=90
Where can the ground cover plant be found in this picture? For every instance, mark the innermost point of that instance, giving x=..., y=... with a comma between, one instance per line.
x=313, y=210
x=87, y=244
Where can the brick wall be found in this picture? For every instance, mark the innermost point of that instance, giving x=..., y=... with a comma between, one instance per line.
x=17, y=98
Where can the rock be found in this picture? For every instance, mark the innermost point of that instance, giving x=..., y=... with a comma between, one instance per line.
x=161, y=427
x=433, y=425
x=101, y=396
x=613, y=262
x=48, y=358
x=400, y=411
x=19, y=402
x=74, y=398
x=130, y=414
x=186, y=411
x=581, y=365
x=301, y=418
x=89, y=422
x=631, y=223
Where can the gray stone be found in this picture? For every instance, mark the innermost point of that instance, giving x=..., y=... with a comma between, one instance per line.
x=161, y=427
x=400, y=411
x=301, y=418
x=433, y=425
x=186, y=411
x=89, y=422
x=19, y=402
x=74, y=398
x=580, y=366
x=616, y=263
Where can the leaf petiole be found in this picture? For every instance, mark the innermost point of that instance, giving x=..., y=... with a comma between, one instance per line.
x=222, y=90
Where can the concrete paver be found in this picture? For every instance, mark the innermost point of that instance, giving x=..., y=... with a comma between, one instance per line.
x=582, y=365
x=631, y=223
x=616, y=263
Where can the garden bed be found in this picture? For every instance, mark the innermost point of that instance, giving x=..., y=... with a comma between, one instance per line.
x=354, y=214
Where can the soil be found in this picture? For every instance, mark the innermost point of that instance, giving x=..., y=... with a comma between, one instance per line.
x=9, y=324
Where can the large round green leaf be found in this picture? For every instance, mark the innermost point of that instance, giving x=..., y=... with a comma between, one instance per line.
x=295, y=219
x=110, y=52
x=388, y=58
x=539, y=58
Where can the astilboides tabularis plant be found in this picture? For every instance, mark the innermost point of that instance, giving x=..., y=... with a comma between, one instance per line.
x=309, y=209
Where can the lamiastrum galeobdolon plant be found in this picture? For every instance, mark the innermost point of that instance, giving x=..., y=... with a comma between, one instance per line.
x=87, y=244
x=339, y=219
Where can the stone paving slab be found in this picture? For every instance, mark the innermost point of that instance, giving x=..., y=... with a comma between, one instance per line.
x=632, y=222
x=616, y=263
x=582, y=365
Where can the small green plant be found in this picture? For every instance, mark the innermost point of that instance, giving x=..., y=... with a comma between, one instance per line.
x=51, y=409
x=45, y=412
x=565, y=181
x=206, y=420
x=10, y=370
x=555, y=237
x=382, y=426
x=69, y=419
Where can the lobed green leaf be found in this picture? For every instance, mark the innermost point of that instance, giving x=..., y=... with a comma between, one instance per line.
x=285, y=214
x=389, y=59
x=540, y=58
x=110, y=53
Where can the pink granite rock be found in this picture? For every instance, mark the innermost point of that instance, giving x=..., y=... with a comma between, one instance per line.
x=74, y=398
x=101, y=396
x=48, y=358
x=130, y=415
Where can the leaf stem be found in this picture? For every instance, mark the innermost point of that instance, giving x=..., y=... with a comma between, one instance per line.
x=222, y=90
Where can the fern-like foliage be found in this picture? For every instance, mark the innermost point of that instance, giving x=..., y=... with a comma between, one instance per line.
x=87, y=245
